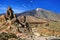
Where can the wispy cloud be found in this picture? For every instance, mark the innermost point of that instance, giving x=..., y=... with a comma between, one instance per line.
x=17, y=10
x=3, y=8
x=24, y=6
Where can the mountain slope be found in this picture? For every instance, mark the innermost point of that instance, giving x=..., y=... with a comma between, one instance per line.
x=42, y=13
x=32, y=19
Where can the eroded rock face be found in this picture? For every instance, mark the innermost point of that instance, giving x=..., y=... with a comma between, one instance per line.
x=15, y=16
x=22, y=19
x=11, y=24
x=10, y=16
x=9, y=13
x=2, y=18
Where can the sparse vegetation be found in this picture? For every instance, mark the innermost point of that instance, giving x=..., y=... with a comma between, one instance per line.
x=12, y=28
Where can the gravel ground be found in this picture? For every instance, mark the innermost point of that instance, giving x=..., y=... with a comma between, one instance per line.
x=43, y=38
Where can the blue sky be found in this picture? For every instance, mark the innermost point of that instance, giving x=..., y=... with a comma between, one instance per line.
x=24, y=5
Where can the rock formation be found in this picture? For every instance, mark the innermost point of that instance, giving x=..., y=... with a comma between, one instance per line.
x=13, y=19
x=23, y=22
x=22, y=19
x=24, y=26
x=15, y=16
x=10, y=16
x=2, y=18
x=9, y=13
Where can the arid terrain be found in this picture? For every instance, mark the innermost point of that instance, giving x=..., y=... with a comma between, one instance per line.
x=36, y=24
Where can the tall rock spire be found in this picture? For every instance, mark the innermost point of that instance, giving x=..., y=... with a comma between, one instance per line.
x=9, y=13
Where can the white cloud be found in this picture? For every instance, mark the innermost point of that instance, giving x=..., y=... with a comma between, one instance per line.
x=24, y=6
x=17, y=10
x=3, y=8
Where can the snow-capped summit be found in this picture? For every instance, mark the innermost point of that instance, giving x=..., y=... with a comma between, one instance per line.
x=42, y=13
x=38, y=9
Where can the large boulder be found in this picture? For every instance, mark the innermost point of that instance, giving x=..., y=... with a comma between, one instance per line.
x=22, y=19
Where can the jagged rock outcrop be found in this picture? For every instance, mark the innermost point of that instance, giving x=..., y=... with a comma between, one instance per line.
x=11, y=19
x=2, y=18
x=24, y=25
x=15, y=16
x=9, y=13
x=10, y=16
x=22, y=19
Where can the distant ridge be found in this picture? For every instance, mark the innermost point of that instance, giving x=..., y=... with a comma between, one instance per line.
x=42, y=13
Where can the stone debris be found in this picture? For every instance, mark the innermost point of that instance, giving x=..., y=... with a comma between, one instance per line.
x=10, y=24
